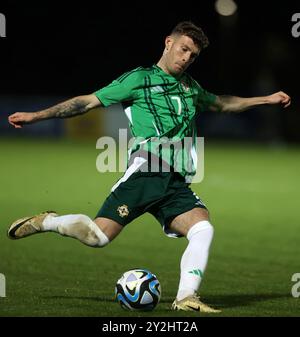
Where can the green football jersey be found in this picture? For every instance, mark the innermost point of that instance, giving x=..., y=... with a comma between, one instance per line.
x=161, y=110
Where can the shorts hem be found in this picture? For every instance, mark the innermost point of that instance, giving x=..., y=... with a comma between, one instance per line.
x=108, y=216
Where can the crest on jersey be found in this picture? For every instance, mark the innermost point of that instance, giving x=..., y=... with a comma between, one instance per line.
x=185, y=86
x=123, y=211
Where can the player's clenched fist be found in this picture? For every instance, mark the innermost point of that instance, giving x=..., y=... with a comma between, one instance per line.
x=280, y=98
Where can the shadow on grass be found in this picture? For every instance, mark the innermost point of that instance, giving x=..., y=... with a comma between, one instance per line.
x=95, y=298
x=239, y=300
x=220, y=301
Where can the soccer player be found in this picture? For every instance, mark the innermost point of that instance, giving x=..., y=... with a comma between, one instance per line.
x=161, y=103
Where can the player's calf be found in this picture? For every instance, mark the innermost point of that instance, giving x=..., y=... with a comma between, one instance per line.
x=77, y=226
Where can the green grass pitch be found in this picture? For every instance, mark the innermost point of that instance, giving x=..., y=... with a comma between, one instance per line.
x=252, y=192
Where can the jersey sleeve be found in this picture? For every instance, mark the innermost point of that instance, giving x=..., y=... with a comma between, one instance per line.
x=205, y=99
x=125, y=88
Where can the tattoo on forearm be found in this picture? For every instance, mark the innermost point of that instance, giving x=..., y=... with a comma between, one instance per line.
x=66, y=109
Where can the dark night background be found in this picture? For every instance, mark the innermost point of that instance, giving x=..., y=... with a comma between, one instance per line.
x=64, y=50
x=57, y=50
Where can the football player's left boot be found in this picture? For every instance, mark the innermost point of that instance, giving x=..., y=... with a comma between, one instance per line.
x=27, y=226
x=193, y=303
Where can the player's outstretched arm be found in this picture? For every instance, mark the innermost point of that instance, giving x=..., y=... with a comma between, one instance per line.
x=72, y=107
x=239, y=104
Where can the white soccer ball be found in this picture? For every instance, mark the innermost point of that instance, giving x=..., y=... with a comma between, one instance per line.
x=138, y=289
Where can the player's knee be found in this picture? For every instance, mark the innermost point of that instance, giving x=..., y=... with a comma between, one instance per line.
x=201, y=226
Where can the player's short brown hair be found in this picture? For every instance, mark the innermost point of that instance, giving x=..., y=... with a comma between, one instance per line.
x=189, y=29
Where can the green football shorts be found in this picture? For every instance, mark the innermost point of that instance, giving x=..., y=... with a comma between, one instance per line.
x=163, y=194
